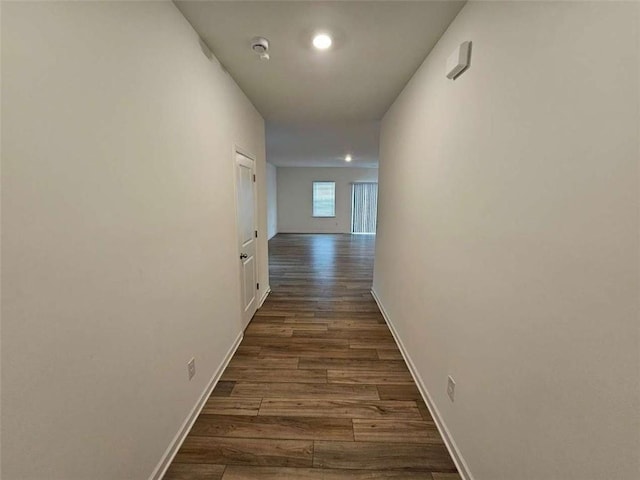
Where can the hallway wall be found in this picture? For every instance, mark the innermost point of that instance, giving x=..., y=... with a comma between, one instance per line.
x=295, y=199
x=119, y=247
x=272, y=200
x=507, y=252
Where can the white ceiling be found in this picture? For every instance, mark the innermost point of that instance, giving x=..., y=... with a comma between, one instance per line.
x=294, y=145
x=378, y=45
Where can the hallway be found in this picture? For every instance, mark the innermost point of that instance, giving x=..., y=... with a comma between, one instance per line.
x=150, y=150
x=317, y=388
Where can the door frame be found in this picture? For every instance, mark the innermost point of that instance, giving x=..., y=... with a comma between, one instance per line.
x=245, y=153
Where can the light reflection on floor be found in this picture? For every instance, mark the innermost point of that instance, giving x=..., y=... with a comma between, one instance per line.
x=323, y=253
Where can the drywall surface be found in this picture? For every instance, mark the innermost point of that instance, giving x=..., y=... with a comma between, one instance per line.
x=507, y=251
x=295, y=199
x=119, y=246
x=272, y=200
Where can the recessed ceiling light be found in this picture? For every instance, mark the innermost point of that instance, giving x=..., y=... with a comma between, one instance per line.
x=347, y=158
x=322, y=41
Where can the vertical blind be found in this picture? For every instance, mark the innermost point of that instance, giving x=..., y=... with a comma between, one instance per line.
x=365, y=208
x=324, y=199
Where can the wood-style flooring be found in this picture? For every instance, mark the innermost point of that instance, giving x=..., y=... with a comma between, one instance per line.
x=318, y=389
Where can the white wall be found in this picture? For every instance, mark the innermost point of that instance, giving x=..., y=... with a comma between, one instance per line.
x=119, y=248
x=295, y=197
x=272, y=200
x=507, y=248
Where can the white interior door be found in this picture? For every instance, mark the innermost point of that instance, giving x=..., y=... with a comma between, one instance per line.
x=247, y=235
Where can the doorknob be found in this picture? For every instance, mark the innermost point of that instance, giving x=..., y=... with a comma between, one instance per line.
x=243, y=255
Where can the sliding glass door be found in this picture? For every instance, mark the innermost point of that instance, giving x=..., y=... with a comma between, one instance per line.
x=364, y=207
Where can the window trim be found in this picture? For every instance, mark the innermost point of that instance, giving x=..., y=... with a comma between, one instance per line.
x=312, y=199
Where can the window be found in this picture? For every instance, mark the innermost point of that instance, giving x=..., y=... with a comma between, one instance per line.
x=324, y=199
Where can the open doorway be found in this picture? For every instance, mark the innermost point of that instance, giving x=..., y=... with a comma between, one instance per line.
x=364, y=207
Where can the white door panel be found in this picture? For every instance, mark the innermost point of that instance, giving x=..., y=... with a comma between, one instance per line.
x=247, y=235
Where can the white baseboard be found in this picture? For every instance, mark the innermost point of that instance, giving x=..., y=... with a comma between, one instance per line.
x=175, y=445
x=264, y=296
x=461, y=465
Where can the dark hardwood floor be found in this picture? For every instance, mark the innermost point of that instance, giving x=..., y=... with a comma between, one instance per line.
x=318, y=389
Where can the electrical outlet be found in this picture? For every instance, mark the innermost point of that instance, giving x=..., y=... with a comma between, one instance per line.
x=191, y=368
x=451, y=387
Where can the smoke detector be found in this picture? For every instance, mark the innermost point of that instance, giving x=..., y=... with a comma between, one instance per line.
x=260, y=46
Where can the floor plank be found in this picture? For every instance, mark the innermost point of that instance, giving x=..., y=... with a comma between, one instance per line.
x=395, y=431
x=358, y=325
x=299, y=342
x=298, y=428
x=232, y=406
x=246, y=451
x=223, y=389
x=258, y=318
x=268, y=329
x=389, y=354
x=189, y=471
x=377, y=343
x=375, y=456
x=275, y=375
x=399, y=392
x=284, y=363
x=353, y=364
x=424, y=411
x=319, y=351
x=348, y=334
x=368, y=377
x=304, y=390
x=245, y=350
x=276, y=473
x=306, y=328
x=340, y=408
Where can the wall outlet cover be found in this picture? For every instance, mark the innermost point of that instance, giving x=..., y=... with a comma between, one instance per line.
x=451, y=387
x=191, y=368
